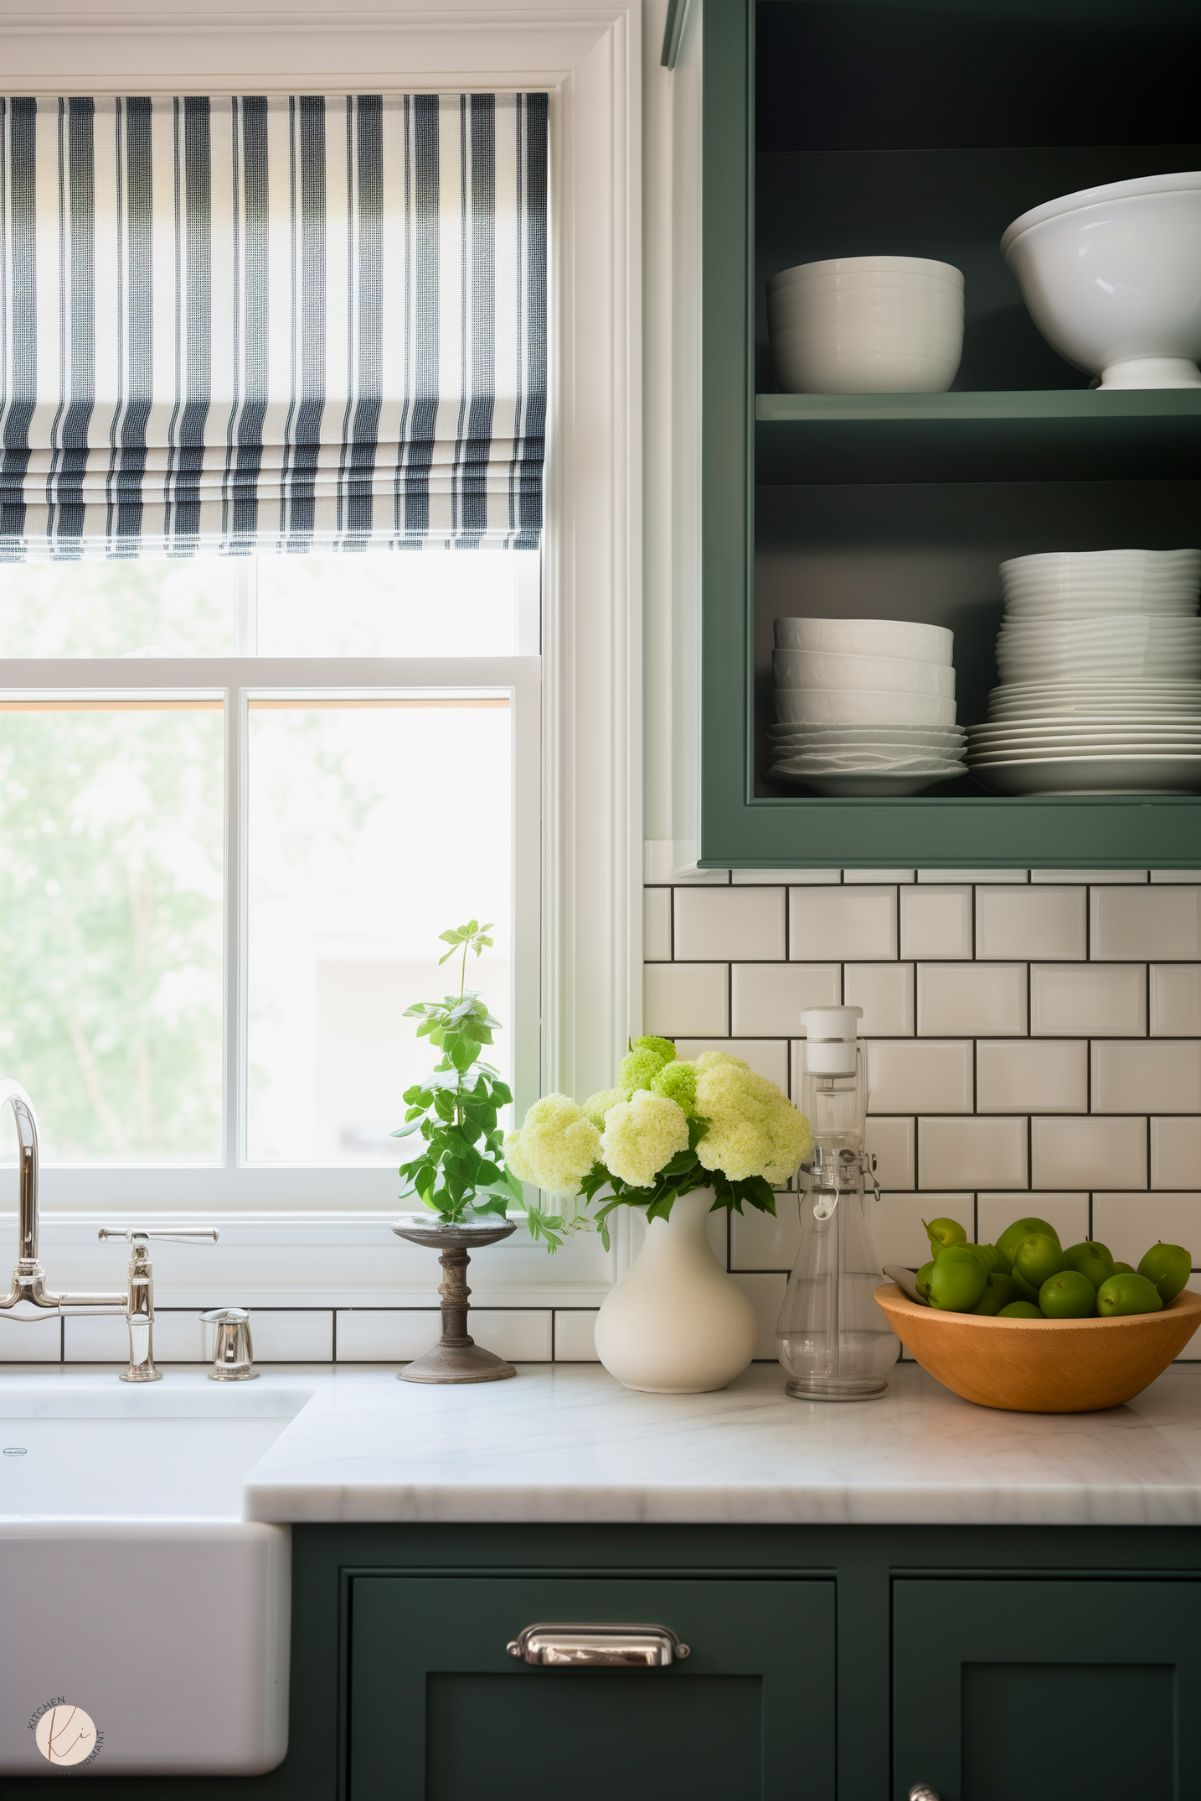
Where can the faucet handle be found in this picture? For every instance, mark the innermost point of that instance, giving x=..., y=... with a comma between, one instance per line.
x=233, y=1353
x=175, y=1235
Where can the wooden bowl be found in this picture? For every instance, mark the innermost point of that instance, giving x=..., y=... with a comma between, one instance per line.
x=1042, y=1366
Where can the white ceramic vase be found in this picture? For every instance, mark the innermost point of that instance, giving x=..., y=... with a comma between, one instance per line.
x=676, y=1323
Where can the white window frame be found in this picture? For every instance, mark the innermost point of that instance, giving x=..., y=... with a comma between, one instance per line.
x=286, y=1248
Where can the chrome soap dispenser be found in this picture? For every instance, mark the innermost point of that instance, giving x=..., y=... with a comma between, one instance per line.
x=831, y=1337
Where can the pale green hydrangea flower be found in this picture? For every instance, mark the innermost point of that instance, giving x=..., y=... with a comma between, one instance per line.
x=556, y=1146
x=678, y=1082
x=640, y=1136
x=753, y=1129
x=598, y=1105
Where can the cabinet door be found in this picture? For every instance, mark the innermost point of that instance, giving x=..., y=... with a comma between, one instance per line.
x=439, y=1710
x=1053, y=1690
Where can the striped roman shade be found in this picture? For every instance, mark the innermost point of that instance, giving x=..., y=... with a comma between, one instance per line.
x=254, y=323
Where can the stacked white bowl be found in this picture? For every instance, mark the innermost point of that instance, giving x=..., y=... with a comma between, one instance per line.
x=864, y=706
x=866, y=325
x=1100, y=663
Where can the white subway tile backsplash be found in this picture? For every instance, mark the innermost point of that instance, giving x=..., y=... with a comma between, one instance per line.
x=766, y=1056
x=877, y=875
x=656, y=925
x=916, y=1075
x=897, y=1224
x=1089, y=1153
x=803, y=878
x=971, y=997
x=728, y=923
x=575, y=1335
x=761, y=1241
x=1147, y=1075
x=885, y=992
x=1161, y=923
x=385, y=1334
x=936, y=922
x=1032, y=1075
x=766, y=1295
x=287, y=1335
x=31, y=1341
x=398, y=1334
x=686, y=1000
x=1176, y=1152
x=972, y=1153
x=1131, y=1223
x=1109, y=1000
x=1089, y=876
x=973, y=875
x=767, y=998
x=842, y=924
x=1175, y=1000
x=1068, y=1213
x=1024, y=923
x=893, y=1143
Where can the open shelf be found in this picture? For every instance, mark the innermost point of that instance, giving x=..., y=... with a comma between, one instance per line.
x=1040, y=434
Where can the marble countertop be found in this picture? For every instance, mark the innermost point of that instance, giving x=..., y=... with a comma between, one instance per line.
x=566, y=1444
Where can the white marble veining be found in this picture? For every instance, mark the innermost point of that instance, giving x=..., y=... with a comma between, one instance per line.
x=567, y=1445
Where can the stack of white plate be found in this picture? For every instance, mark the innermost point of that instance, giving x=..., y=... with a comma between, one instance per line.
x=865, y=706
x=866, y=325
x=1100, y=661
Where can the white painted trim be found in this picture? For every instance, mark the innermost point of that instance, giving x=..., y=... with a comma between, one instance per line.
x=587, y=53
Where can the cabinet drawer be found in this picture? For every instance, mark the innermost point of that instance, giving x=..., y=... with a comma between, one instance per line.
x=440, y=1711
x=1050, y=1690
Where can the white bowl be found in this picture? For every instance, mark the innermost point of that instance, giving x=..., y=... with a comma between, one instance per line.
x=837, y=669
x=898, y=313
x=868, y=637
x=847, y=268
x=862, y=706
x=867, y=331
x=864, y=371
x=1112, y=278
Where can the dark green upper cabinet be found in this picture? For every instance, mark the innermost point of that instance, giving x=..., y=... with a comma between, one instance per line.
x=919, y=127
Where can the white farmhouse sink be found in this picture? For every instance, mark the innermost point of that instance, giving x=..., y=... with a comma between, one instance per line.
x=130, y=1586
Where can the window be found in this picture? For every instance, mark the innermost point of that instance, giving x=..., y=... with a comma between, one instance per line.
x=590, y=855
x=233, y=820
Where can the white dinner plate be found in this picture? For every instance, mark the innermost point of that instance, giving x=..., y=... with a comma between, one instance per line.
x=1093, y=775
x=860, y=787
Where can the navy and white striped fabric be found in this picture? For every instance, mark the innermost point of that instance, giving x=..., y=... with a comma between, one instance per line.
x=253, y=323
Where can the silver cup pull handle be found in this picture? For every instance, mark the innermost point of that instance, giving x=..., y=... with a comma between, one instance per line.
x=598, y=1647
x=921, y=1791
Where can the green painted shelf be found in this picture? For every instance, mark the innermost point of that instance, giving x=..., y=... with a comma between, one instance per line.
x=1036, y=435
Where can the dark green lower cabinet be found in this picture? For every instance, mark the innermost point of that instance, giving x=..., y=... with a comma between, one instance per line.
x=438, y=1709
x=1041, y=1690
x=827, y=1663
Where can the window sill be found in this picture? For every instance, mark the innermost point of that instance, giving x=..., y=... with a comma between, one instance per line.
x=314, y=1258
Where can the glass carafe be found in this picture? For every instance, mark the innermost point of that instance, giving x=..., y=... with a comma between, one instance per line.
x=831, y=1337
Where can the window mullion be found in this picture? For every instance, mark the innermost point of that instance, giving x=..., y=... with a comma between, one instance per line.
x=234, y=1062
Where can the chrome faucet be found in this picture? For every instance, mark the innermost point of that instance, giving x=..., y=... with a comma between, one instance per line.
x=135, y=1306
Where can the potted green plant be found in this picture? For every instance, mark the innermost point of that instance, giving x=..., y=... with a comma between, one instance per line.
x=459, y=1173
